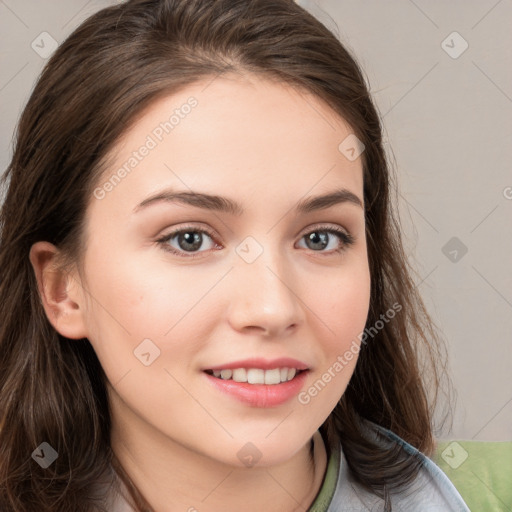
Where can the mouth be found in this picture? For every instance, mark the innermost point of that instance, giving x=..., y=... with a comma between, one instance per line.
x=257, y=375
x=258, y=387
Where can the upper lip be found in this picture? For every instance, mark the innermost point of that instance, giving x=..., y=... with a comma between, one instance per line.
x=264, y=364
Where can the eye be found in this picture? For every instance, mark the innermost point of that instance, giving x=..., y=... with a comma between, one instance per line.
x=189, y=239
x=319, y=239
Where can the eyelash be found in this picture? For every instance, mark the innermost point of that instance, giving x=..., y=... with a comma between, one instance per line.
x=346, y=239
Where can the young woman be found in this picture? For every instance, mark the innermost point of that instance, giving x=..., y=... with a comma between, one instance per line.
x=205, y=303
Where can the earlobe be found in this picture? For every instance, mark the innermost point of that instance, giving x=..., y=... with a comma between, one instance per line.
x=60, y=292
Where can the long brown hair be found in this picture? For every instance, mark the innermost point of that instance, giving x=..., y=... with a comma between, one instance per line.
x=99, y=82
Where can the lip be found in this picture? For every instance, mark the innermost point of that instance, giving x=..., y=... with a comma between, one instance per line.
x=263, y=364
x=259, y=395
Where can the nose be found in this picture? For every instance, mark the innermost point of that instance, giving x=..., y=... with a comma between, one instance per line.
x=264, y=296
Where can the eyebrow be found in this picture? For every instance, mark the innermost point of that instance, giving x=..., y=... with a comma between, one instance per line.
x=224, y=204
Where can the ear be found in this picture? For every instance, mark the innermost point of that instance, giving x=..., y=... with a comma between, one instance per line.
x=61, y=293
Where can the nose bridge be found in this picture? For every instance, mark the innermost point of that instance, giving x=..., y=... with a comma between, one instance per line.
x=265, y=294
x=263, y=259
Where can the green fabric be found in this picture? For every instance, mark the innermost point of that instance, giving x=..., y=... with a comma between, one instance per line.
x=481, y=472
x=324, y=496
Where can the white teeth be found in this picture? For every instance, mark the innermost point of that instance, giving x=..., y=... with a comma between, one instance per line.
x=226, y=374
x=240, y=375
x=273, y=376
x=256, y=375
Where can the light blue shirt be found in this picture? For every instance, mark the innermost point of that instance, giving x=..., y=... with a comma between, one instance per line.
x=431, y=491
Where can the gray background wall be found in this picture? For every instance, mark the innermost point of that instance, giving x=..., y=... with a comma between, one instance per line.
x=447, y=111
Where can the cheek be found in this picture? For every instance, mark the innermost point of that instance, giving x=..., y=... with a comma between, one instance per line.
x=339, y=320
x=131, y=303
x=144, y=298
x=342, y=305
x=341, y=312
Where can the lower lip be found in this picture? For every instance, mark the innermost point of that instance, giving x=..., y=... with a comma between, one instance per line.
x=260, y=395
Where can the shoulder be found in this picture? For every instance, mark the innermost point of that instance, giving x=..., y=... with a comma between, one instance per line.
x=431, y=491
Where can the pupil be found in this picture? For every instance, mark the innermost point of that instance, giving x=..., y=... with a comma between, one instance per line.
x=192, y=239
x=317, y=238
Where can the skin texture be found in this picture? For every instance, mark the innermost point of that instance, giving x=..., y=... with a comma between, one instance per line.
x=266, y=146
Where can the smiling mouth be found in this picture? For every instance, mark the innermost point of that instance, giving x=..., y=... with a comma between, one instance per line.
x=256, y=375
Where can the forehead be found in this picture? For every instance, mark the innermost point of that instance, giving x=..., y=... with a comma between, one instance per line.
x=246, y=133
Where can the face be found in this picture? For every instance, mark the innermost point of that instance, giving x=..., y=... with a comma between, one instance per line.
x=178, y=288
